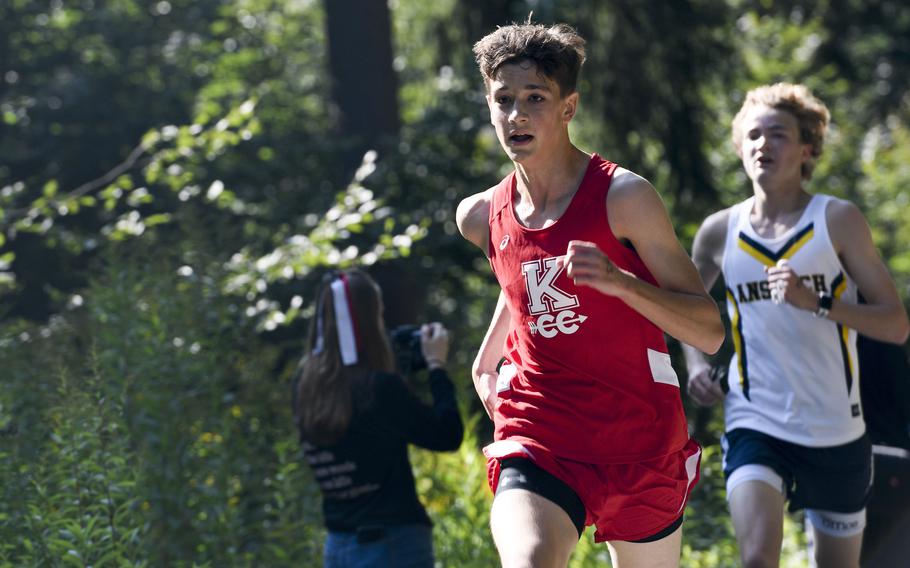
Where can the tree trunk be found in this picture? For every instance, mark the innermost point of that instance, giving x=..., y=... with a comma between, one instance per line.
x=364, y=86
x=481, y=17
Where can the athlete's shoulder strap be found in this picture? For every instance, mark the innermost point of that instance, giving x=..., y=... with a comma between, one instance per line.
x=734, y=225
x=817, y=214
x=818, y=206
x=601, y=173
x=501, y=197
x=739, y=213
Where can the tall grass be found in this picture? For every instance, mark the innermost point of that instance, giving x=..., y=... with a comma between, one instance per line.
x=150, y=425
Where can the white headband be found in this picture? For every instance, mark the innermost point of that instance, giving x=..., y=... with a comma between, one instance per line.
x=344, y=322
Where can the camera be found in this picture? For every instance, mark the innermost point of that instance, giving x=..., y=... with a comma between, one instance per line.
x=405, y=340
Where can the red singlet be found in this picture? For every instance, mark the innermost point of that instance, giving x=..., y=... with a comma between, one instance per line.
x=587, y=377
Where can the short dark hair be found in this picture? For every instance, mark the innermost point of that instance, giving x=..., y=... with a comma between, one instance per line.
x=558, y=52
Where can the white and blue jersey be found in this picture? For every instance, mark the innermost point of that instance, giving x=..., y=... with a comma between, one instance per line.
x=794, y=376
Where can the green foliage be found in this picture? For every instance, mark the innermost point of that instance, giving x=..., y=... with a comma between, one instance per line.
x=357, y=229
x=159, y=436
x=169, y=194
x=171, y=158
x=73, y=494
x=886, y=165
x=453, y=487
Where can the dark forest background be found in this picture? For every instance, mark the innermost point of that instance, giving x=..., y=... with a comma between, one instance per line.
x=175, y=176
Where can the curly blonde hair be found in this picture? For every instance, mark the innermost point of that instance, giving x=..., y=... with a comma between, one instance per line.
x=811, y=114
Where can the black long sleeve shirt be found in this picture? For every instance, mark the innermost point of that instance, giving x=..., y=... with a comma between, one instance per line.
x=366, y=478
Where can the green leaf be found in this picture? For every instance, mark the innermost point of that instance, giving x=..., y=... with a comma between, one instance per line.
x=50, y=189
x=151, y=138
x=157, y=219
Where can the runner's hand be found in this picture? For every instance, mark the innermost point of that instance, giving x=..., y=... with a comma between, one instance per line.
x=786, y=286
x=434, y=343
x=703, y=390
x=485, y=385
x=587, y=265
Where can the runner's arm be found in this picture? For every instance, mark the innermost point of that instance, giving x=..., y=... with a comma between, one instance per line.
x=679, y=305
x=484, y=370
x=883, y=316
x=472, y=217
x=707, y=255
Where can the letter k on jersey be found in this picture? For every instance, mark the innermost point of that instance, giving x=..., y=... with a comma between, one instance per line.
x=544, y=297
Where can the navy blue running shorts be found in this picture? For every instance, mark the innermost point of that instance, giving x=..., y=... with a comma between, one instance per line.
x=836, y=478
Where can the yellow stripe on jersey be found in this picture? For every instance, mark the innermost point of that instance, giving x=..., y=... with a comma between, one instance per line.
x=738, y=344
x=838, y=287
x=788, y=252
x=768, y=257
x=755, y=253
x=845, y=339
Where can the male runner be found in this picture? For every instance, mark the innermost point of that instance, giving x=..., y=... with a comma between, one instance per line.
x=792, y=263
x=574, y=370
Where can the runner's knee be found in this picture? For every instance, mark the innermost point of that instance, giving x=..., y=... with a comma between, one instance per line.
x=525, y=549
x=535, y=556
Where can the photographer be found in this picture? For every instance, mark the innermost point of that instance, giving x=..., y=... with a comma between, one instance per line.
x=356, y=417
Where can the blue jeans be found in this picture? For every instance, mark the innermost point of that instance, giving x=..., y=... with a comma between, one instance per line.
x=399, y=546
